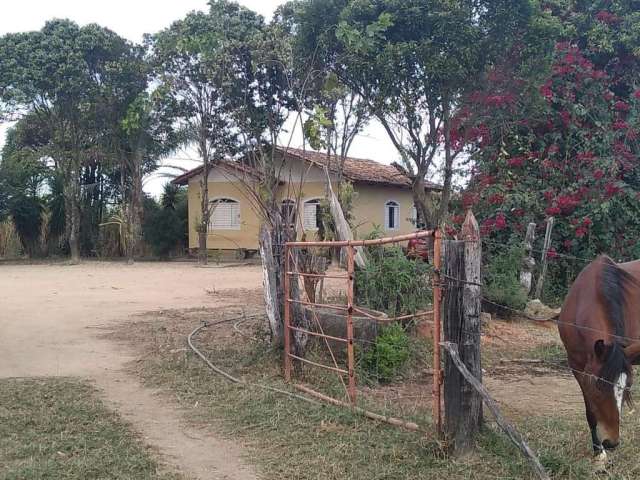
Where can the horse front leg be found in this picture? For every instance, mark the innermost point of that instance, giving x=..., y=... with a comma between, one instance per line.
x=600, y=454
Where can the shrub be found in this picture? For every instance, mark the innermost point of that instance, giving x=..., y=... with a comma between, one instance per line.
x=502, y=282
x=392, y=283
x=165, y=226
x=389, y=353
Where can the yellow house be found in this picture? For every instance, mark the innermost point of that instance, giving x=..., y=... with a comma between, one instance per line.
x=383, y=197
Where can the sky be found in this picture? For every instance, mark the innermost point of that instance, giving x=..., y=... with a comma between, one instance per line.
x=132, y=19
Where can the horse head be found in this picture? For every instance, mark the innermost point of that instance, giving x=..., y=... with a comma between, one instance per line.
x=608, y=388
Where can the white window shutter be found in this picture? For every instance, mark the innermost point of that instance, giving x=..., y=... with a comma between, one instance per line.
x=310, y=215
x=225, y=215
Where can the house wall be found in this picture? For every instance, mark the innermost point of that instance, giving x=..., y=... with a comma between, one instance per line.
x=369, y=209
x=368, y=206
x=246, y=237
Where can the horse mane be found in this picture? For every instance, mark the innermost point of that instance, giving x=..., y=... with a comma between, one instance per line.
x=614, y=286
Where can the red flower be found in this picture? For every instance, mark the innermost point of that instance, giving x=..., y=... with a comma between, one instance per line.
x=518, y=212
x=546, y=91
x=501, y=221
x=610, y=189
x=469, y=199
x=581, y=232
x=598, y=174
x=553, y=211
x=551, y=253
x=620, y=125
x=566, y=117
x=548, y=195
x=587, y=222
x=566, y=203
x=607, y=17
x=516, y=162
x=496, y=199
x=585, y=157
x=621, y=106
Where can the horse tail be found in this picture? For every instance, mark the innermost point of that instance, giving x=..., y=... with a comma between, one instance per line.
x=614, y=285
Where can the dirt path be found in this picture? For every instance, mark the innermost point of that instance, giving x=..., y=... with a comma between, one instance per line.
x=51, y=318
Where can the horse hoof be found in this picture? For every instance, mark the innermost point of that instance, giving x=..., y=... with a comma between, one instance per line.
x=600, y=462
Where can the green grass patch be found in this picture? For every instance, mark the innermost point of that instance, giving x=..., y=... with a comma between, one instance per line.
x=59, y=429
x=551, y=353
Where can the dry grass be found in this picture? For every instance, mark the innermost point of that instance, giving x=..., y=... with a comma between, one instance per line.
x=290, y=439
x=57, y=428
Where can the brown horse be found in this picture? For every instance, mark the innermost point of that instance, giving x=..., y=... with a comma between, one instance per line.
x=600, y=327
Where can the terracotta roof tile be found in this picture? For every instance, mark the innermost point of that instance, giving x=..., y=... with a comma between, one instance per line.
x=358, y=170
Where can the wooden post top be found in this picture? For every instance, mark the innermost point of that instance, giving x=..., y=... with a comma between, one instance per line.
x=470, y=230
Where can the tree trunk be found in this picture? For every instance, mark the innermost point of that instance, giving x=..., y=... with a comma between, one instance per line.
x=73, y=217
x=134, y=215
x=271, y=252
x=443, y=209
x=203, y=230
x=421, y=201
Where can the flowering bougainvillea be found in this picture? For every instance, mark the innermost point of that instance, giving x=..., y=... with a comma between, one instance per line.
x=565, y=147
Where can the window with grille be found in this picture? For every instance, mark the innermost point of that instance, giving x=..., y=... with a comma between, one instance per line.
x=225, y=214
x=312, y=215
x=392, y=215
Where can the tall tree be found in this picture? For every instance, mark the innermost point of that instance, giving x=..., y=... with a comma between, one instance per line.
x=59, y=75
x=194, y=68
x=410, y=61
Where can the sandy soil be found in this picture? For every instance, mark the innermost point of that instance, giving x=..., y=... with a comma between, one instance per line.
x=52, y=318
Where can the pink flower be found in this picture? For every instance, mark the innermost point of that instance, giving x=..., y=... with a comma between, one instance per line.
x=598, y=174
x=611, y=189
x=545, y=90
x=587, y=222
x=553, y=211
x=621, y=106
x=607, y=17
x=620, y=125
x=581, y=232
x=585, y=157
x=548, y=195
x=636, y=94
x=496, y=199
x=608, y=96
x=501, y=221
x=516, y=161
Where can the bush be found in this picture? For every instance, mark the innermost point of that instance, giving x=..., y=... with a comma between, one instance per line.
x=389, y=354
x=392, y=283
x=165, y=226
x=502, y=279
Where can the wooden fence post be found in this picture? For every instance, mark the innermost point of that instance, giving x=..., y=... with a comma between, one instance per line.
x=528, y=262
x=545, y=251
x=463, y=404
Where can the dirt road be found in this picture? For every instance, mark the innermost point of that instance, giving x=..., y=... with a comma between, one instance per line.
x=51, y=318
